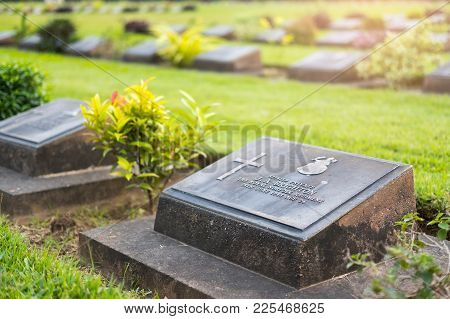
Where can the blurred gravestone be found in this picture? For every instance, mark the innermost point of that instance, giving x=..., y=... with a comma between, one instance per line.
x=339, y=38
x=221, y=31
x=230, y=58
x=322, y=66
x=89, y=46
x=439, y=80
x=347, y=24
x=178, y=28
x=271, y=36
x=146, y=51
x=8, y=37
x=31, y=42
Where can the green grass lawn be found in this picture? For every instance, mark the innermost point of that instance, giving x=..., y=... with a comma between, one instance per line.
x=405, y=126
x=30, y=272
x=244, y=16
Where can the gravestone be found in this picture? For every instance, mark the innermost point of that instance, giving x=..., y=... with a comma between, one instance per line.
x=271, y=36
x=89, y=46
x=46, y=160
x=146, y=51
x=31, y=42
x=8, y=37
x=400, y=24
x=322, y=66
x=230, y=58
x=221, y=31
x=347, y=24
x=439, y=80
x=290, y=212
x=339, y=38
x=178, y=28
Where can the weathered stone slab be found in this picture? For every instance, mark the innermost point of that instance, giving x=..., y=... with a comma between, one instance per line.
x=7, y=37
x=221, y=31
x=439, y=80
x=339, y=38
x=47, y=139
x=230, y=58
x=146, y=51
x=288, y=211
x=322, y=66
x=271, y=36
x=347, y=24
x=88, y=46
x=31, y=42
x=152, y=261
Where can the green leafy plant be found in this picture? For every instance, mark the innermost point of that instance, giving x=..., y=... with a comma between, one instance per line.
x=443, y=224
x=303, y=31
x=268, y=22
x=412, y=272
x=405, y=60
x=56, y=34
x=148, y=141
x=180, y=49
x=21, y=88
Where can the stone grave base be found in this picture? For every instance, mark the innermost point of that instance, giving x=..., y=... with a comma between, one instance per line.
x=173, y=269
x=316, y=75
x=21, y=194
x=230, y=59
x=142, y=257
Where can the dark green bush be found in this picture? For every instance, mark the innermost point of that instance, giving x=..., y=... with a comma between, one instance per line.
x=55, y=34
x=21, y=88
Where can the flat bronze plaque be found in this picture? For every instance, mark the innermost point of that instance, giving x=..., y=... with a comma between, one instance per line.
x=285, y=182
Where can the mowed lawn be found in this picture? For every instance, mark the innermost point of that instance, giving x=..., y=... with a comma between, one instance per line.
x=406, y=126
x=244, y=17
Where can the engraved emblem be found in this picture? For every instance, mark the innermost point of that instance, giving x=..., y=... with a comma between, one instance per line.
x=318, y=166
x=244, y=163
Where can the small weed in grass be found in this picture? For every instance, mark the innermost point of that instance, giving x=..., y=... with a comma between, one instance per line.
x=30, y=272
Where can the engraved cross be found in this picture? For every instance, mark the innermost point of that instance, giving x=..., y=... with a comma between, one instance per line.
x=244, y=163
